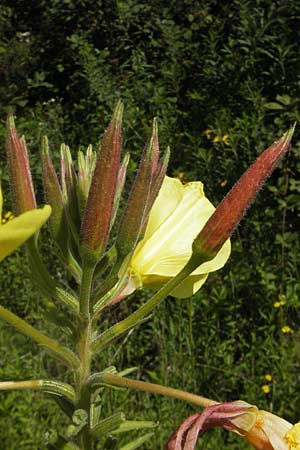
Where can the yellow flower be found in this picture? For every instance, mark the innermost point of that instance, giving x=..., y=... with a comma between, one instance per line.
x=208, y=132
x=178, y=215
x=278, y=304
x=217, y=139
x=268, y=377
x=226, y=139
x=266, y=389
x=292, y=437
x=15, y=231
x=286, y=329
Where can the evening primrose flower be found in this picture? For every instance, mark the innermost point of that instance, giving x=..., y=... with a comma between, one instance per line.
x=16, y=231
x=261, y=429
x=178, y=215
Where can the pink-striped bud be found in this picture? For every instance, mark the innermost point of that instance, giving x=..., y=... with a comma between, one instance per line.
x=19, y=170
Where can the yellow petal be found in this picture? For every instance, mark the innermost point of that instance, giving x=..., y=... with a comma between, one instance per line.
x=189, y=286
x=166, y=202
x=170, y=246
x=15, y=232
x=275, y=428
x=1, y=204
x=217, y=262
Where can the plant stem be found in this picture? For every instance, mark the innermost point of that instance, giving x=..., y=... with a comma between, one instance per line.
x=85, y=288
x=50, y=386
x=116, y=380
x=21, y=325
x=84, y=352
x=125, y=325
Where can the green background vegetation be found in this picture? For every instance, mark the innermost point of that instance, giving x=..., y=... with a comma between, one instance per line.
x=231, y=67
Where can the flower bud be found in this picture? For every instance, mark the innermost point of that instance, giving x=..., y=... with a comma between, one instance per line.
x=222, y=223
x=86, y=167
x=136, y=208
x=19, y=170
x=98, y=214
x=52, y=191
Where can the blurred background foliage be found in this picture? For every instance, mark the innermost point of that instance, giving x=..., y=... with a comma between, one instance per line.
x=223, y=80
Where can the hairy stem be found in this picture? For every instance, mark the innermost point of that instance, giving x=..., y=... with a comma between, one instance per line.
x=116, y=380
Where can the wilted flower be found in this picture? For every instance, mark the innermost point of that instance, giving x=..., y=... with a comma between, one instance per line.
x=16, y=231
x=263, y=430
x=177, y=216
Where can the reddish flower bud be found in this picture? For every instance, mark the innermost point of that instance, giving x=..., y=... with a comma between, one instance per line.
x=145, y=189
x=19, y=170
x=98, y=213
x=222, y=223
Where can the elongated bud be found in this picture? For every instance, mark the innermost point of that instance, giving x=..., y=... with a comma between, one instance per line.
x=19, y=170
x=157, y=181
x=69, y=190
x=86, y=167
x=120, y=186
x=222, y=223
x=135, y=210
x=98, y=213
x=52, y=190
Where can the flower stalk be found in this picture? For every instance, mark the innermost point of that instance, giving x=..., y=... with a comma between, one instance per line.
x=116, y=380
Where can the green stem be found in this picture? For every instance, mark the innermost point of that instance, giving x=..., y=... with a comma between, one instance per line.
x=21, y=325
x=116, y=380
x=85, y=288
x=49, y=386
x=84, y=351
x=125, y=325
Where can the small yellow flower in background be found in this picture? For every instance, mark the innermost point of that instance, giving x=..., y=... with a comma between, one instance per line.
x=223, y=183
x=15, y=231
x=292, y=437
x=268, y=377
x=226, y=139
x=266, y=389
x=208, y=133
x=279, y=304
x=217, y=139
x=178, y=214
x=286, y=329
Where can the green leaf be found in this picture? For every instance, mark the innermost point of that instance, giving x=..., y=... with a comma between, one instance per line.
x=137, y=442
x=284, y=99
x=273, y=105
x=80, y=417
x=108, y=425
x=131, y=425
